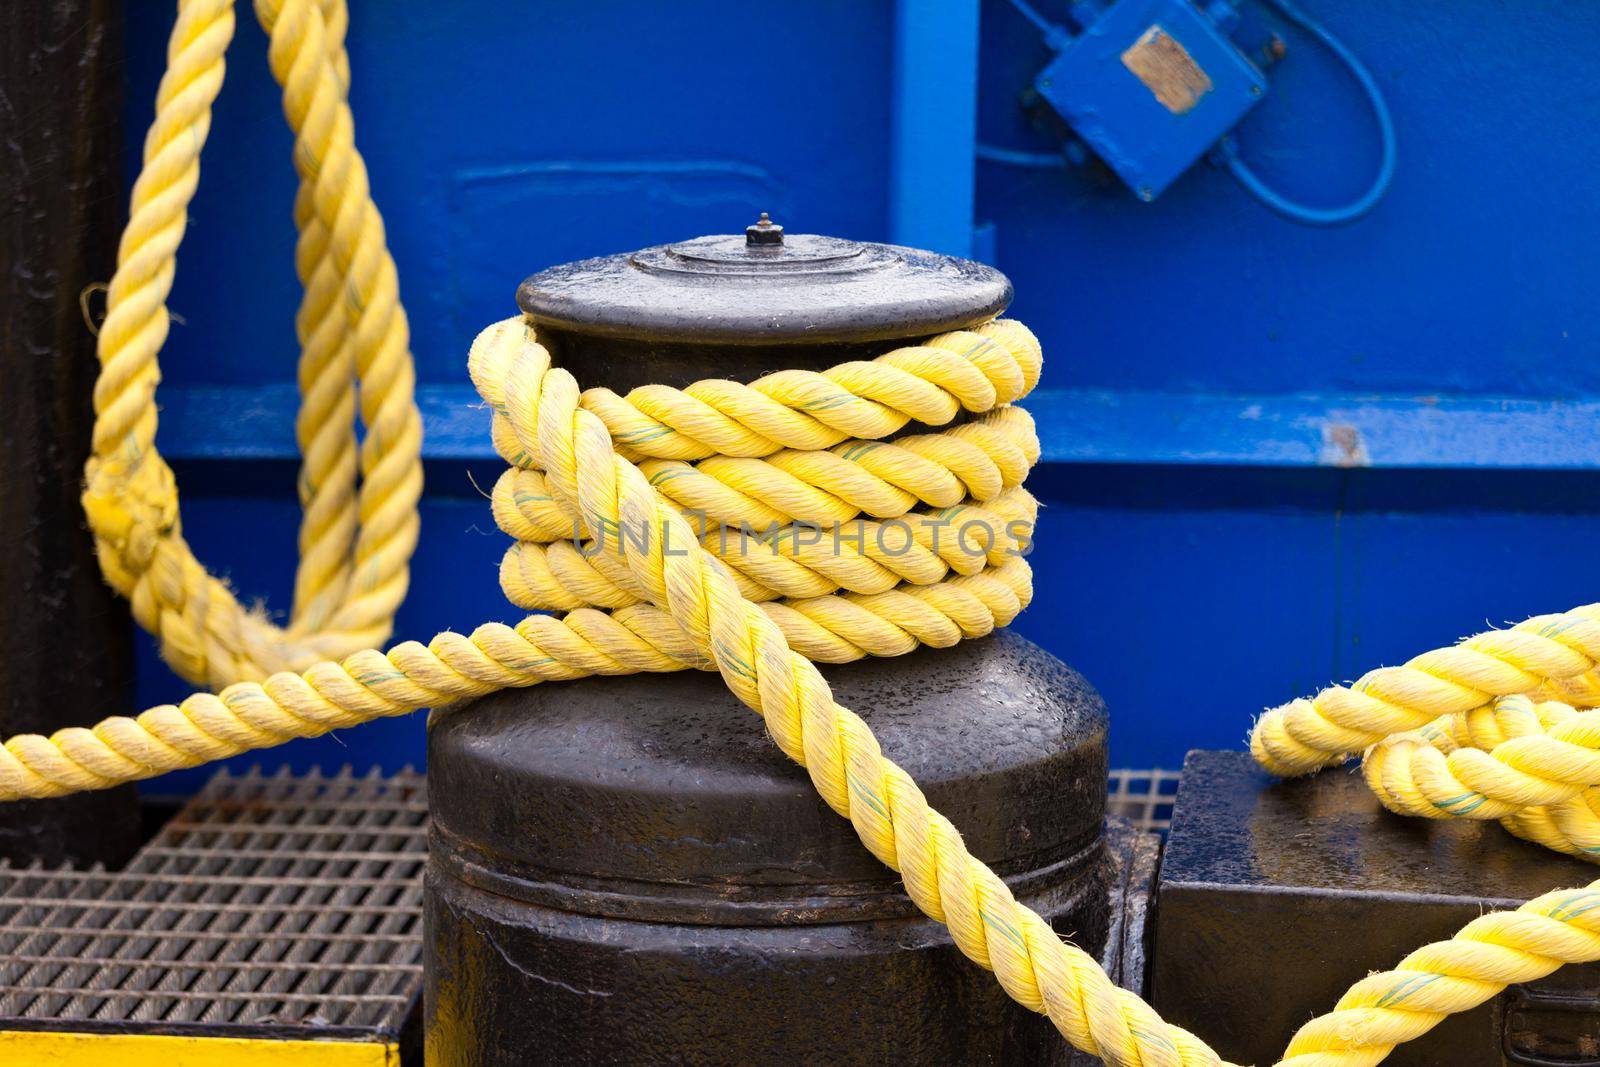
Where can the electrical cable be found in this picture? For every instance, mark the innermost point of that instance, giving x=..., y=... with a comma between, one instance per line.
x=1042, y=24
x=1293, y=210
x=1228, y=151
x=1015, y=157
x=1056, y=37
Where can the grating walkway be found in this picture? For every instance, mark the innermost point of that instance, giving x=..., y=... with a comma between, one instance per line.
x=1143, y=797
x=269, y=906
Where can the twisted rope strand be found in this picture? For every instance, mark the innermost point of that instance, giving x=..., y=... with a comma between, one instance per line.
x=1533, y=767
x=324, y=425
x=1488, y=954
x=791, y=561
x=1545, y=651
x=452, y=667
x=975, y=370
x=357, y=601
x=878, y=478
x=886, y=481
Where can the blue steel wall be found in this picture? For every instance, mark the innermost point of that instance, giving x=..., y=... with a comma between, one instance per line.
x=1274, y=456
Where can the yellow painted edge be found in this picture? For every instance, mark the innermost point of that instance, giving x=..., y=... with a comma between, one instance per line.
x=42, y=1048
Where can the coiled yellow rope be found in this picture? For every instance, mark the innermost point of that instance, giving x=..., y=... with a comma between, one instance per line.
x=1556, y=654
x=649, y=485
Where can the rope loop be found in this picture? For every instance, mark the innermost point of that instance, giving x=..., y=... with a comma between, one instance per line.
x=359, y=526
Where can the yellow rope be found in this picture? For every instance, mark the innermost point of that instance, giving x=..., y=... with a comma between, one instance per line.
x=548, y=429
x=1488, y=954
x=620, y=508
x=356, y=544
x=1553, y=653
x=1533, y=767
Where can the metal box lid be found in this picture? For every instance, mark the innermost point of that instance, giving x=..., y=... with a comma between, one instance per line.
x=1151, y=87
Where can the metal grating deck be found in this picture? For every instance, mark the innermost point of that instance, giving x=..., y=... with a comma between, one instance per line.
x=1143, y=797
x=267, y=907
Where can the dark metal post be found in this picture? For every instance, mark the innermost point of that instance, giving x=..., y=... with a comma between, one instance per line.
x=627, y=869
x=64, y=635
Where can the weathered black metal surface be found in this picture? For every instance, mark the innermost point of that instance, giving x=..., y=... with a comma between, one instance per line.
x=627, y=870
x=1134, y=856
x=1275, y=896
x=752, y=290
x=661, y=797
x=624, y=364
x=510, y=984
x=744, y=305
x=66, y=636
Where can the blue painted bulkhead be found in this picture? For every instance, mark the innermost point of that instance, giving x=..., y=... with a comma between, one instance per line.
x=1274, y=456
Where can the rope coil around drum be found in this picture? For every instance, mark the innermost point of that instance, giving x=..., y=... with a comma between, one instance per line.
x=790, y=450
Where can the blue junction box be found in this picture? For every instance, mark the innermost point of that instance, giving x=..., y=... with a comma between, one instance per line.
x=1151, y=86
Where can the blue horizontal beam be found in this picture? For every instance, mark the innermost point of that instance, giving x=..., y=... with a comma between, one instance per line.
x=1075, y=427
x=1184, y=429
x=238, y=422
